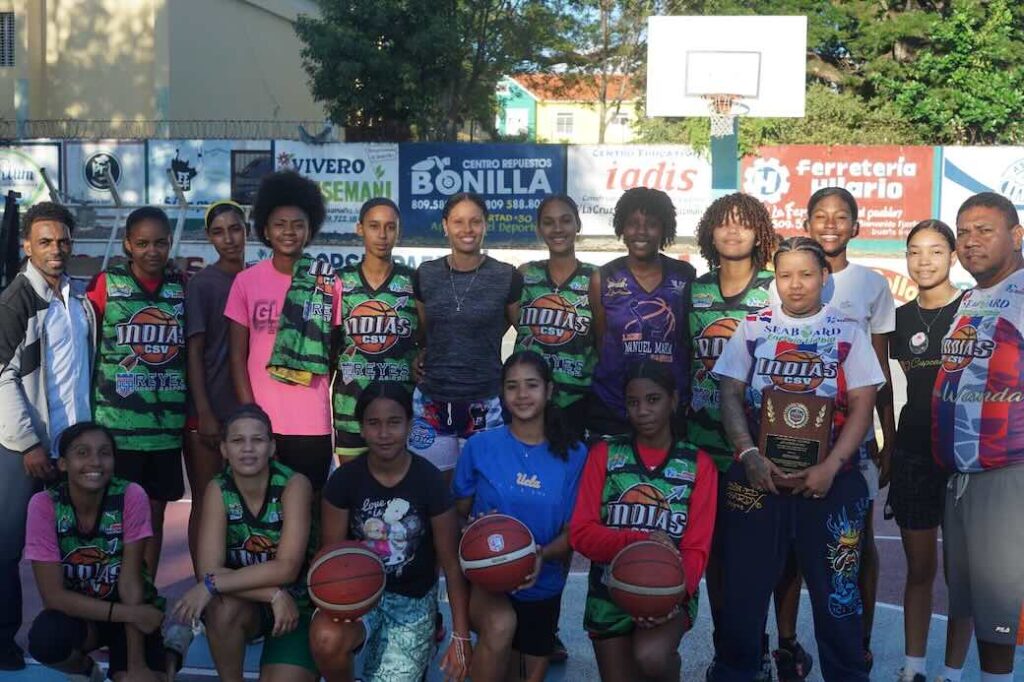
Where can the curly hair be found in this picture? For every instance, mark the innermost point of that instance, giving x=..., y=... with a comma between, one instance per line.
x=288, y=188
x=46, y=210
x=652, y=203
x=747, y=211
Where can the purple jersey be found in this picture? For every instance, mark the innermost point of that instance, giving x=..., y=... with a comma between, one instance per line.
x=642, y=325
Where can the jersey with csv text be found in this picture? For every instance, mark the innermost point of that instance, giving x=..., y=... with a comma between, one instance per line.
x=713, y=319
x=380, y=338
x=978, y=398
x=556, y=321
x=825, y=354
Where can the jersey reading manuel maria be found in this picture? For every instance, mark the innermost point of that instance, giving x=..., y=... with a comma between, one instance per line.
x=556, y=322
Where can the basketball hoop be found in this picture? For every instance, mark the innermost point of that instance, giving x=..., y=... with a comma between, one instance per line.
x=723, y=110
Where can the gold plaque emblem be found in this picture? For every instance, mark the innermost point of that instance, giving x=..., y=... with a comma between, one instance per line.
x=796, y=416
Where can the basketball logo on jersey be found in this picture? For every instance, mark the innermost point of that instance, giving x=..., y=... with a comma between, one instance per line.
x=797, y=371
x=257, y=549
x=153, y=335
x=553, y=320
x=961, y=347
x=92, y=570
x=375, y=326
x=712, y=339
x=644, y=506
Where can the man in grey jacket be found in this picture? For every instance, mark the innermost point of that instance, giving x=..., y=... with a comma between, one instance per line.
x=47, y=338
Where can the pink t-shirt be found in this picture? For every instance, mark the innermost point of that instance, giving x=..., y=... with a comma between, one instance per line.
x=41, y=526
x=255, y=301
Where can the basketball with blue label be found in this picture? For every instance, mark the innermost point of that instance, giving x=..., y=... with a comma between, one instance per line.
x=347, y=579
x=646, y=579
x=497, y=553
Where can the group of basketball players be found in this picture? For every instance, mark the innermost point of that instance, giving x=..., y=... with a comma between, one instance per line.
x=372, y=403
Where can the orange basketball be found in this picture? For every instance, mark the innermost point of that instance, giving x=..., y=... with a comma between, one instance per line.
x=366, y=326
x=346, y=579
x=646, y=579
x=497, y=552
x=154, y=336
x=554, y=320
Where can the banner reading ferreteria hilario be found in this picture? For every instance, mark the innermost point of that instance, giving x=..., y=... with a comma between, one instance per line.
x=892, y=184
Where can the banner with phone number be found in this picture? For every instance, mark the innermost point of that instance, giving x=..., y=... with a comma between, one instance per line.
x=512, y=179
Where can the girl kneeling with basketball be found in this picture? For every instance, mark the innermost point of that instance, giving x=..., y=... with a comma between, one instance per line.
x=528, y=469
x=85, y=538
x=794, y=360
x=398, y=505
x=649, y=485
x=252, y=552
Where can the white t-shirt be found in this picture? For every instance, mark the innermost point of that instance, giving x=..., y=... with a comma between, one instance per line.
x=826, y=354
x=860, y=294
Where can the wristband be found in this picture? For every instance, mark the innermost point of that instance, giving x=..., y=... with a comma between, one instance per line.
x=211, y=584
x=461, y=639
x=746, y=451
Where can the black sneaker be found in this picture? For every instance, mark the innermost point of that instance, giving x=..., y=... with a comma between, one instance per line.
x=12, y=657
x=793, y=665
x=559, y=654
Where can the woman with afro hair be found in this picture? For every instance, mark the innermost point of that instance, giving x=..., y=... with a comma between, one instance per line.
x=640, y=303
x=283, y=311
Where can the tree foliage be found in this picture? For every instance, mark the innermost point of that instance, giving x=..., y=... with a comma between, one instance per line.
x=892, y=71
x=397, y=69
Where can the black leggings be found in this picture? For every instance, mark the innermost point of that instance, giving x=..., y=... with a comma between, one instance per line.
x=55, y=636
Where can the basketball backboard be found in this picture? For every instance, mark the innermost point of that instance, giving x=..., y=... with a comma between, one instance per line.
x=760, y=59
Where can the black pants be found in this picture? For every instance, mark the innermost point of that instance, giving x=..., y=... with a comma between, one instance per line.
x=308, y=455
x=55, y=635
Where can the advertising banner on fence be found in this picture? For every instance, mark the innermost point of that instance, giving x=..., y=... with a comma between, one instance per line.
x=892, y=184
x=969, y=170
x=512, y=178
x=348, y=175
x=201, y=167
x=21, y=170
x=87, y=166
x=599, y=174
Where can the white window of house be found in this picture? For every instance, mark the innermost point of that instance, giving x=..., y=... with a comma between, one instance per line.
x=563, y=124
x=6, y=39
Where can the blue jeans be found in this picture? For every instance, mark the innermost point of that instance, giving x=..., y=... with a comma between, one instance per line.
x=16, y=487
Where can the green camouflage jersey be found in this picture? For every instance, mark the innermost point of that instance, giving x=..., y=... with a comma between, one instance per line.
x=253, y=540
x=380, y=328
x=636, y=498
x=713, y=319
x=92, y=561
x=556, y=321
x=139, y=385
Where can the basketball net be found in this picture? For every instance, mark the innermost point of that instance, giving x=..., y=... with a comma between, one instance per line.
x=722, y=109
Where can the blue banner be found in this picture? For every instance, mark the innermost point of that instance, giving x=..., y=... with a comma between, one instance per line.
x=512, y=178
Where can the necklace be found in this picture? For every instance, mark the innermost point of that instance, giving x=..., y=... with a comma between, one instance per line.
x=465, y=292
x=919, y=341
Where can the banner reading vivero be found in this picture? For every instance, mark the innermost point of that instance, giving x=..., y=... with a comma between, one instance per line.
x=512, y=178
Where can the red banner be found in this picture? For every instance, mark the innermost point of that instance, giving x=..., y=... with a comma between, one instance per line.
x=892, y=184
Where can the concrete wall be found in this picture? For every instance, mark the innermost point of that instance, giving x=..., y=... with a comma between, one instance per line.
x=233, y=59
x=153, y=60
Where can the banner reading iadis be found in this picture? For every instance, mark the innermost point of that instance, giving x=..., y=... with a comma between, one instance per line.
x=892, y=184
